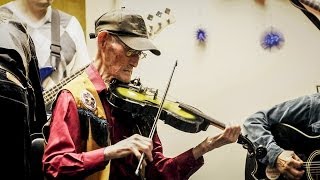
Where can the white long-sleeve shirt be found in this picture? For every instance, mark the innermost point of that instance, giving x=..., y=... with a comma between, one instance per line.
x=74, y=50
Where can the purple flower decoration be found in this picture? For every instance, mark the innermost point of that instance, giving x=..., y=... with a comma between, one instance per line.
x=271, y=39
x=201, y=35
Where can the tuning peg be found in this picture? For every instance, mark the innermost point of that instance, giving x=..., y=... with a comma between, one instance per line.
x=150, y=17
x=261, y=152
x=167, y=11
x=150, y=31
x=159, y=14
x=169, y=18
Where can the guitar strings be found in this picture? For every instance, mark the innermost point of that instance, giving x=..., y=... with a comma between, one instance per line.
x=50, y=93
x=312, y=167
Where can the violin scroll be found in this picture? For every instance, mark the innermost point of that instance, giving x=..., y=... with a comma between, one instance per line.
x=253, y=151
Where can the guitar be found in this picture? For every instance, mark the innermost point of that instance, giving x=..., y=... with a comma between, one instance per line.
x=307, y=147
x=155, y=24
x=50, y=94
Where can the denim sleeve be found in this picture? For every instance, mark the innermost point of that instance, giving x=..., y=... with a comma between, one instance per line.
x=302, y=112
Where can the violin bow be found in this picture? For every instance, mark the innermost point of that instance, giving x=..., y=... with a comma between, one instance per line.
x=153, y=129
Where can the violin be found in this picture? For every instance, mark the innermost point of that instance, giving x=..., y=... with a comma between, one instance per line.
x=136, y=99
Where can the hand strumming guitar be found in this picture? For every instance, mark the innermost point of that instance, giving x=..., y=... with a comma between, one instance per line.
x=289, y=164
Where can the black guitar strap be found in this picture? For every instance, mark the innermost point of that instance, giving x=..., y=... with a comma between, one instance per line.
x=311, y=16
x=55, y=38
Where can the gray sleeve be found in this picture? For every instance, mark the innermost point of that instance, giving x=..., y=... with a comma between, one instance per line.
x=298, y=112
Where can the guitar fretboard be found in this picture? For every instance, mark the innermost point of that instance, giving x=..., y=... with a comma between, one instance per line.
x=51, y=93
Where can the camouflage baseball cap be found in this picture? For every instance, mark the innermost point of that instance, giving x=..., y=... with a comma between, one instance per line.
x=128, y=26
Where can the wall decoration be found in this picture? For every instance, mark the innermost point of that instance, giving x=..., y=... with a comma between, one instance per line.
x=318, y=88
x=201, y=35
x=272, y=39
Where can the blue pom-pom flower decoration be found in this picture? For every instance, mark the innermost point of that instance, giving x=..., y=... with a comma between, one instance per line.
x=201, y=35
x=272, y=39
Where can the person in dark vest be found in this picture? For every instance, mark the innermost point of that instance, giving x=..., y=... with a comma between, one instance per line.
x=90, y=139
x=21, y=102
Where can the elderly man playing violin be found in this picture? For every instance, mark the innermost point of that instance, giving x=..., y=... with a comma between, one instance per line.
x=90, y=139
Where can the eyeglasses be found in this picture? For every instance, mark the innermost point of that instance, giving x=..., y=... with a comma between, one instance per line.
x=131, y=52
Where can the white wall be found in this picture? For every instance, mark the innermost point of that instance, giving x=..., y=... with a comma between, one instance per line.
x=231, y=76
